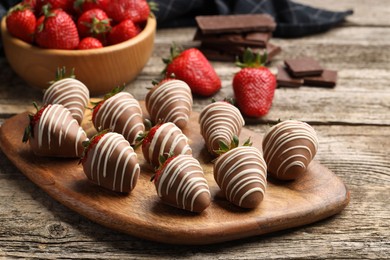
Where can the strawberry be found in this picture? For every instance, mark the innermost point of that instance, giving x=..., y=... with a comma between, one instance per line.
x=136, y=10
x=94, y=23
x=219, y=121
x=65, y=5
x=241, y=173
x=69, y=92
x=180, y=182
x=110, y=162
x=52, y=131
x=56, y=30
x=193, y=67
x=81, y=6
x=170, y=101
x=120, y=112
x=89, y=43
x=254, y=85
x=21, y=22
x=123, y=31
x=163, y=139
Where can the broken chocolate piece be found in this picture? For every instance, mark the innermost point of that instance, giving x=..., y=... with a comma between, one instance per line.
x=328, y=78
x=252, y=39
x=302, y=67
x=238, y=23
x=284, y=79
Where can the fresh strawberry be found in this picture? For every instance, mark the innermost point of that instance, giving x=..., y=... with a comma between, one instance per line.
x=81, y=6
x=21, y=22
x=136, y=10
x=110, y=162
x=52, y=131
x=193, y=67
x=123, y=31
x=163, y=140
x=89, y=43
x=56, y=30
x=181, y=183
x=65, y=5
x=94, y=23
x=241, y=173
x=31, y=3
x=254, y=85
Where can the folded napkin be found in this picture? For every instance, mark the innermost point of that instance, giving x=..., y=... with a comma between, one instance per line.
x=293, y=19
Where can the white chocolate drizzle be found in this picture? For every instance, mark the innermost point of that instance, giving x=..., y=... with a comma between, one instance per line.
x=219, y=121
x=170, y=102
x=71, y=93
x=243, y=171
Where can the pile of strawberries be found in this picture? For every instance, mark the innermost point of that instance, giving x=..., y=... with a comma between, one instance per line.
x=77, y=24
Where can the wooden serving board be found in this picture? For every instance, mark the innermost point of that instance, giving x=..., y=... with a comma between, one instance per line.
x=317, y=195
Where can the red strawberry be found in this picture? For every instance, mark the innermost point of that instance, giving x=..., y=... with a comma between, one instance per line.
x=89, y=43
x=53, y=131
x=65, y=5
x=180, y=182
x=56, y=30
x=241, y=173
x=110, y=162
x=193, y=67
x=21, y=22
x=136, y=10
x=81, y=6
x=254, y=85
x=123, y=31
x=95, y=23
x=163, y=140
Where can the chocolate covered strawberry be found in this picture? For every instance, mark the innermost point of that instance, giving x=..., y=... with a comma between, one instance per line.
x=254, y=85
x=120, y=112
x=180, y=182
x=192, y=67
x=52, y=131
x=56, y=30
x=21, y=22
x=219, y=121
x=69, y=92
x=289, y=147
x=110, y=162
x=170, y=101
x=163, y=140
x=241, y=173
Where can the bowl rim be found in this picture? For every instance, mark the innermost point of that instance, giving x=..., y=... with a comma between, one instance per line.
x=149, y=28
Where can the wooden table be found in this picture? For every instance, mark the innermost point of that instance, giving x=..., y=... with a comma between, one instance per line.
x=352, y=122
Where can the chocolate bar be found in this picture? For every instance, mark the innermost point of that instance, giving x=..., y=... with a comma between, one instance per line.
x=328, y=78
x=302, y=67
x=252, y=39
x=238, y=23
x=284, y=79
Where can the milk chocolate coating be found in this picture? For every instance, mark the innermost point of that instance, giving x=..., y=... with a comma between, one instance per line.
x=112, y=163
x=122, y=114
x=168, y=139
x=71, y=93
x=170, y=102
x=182, y=184
x=219, y=121
x=57, y=134
x=241, y=173
x=288, y=149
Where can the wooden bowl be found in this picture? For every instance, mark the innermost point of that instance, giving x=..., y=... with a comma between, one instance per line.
x=99, y=69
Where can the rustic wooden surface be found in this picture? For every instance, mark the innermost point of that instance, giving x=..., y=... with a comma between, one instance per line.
x=352, y=121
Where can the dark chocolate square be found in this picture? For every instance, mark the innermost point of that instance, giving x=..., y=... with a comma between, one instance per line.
x=304, y=66
x=328, y=78
x=284, y=79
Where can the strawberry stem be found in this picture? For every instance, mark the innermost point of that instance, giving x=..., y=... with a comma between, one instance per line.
x=252, y=60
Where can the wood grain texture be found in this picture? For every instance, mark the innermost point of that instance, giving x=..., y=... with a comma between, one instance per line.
x=33, y=225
